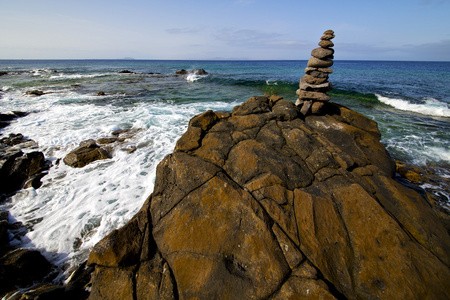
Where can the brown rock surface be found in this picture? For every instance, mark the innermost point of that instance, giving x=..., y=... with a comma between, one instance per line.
x=265, y=204
x=314, y=62
x=87, y=152
x=326, y=44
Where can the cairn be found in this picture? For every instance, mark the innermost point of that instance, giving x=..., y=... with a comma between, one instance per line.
x=314, y=85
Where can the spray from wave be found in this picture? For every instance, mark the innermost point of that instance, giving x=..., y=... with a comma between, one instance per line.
x=431, y=106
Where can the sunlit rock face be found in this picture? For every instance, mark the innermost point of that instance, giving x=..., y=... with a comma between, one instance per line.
x=265, y=203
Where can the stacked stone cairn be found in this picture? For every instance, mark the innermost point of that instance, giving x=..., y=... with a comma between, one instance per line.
x=314, y=85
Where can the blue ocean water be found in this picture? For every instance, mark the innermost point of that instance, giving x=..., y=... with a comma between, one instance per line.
x=77, y=207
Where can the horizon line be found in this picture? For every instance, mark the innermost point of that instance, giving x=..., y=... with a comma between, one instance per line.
x=216, y=59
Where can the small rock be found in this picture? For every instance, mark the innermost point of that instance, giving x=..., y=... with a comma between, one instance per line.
x=35, y=93
x=322, y=53
x=181, y=72
x=314, y=80
x=200, y=72
x=327, y=37
x=129, y=149
x=107, y=140
x=322, y=87
x=326, y=44
x=126, y=72
x=308, y=95
x=305, y=108
x=101, y=93
x=319, y=63
x=87, y=152
x=317, y=107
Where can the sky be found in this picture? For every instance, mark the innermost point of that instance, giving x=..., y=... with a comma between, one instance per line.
x=417, y=30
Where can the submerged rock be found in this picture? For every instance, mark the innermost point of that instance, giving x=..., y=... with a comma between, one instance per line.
x=265, y=203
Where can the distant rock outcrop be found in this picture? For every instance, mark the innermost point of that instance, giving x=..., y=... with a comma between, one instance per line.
x=263, y=203
x=314, y=85
x=195, y=72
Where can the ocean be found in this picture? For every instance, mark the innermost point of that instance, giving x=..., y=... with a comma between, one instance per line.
x=76, y=207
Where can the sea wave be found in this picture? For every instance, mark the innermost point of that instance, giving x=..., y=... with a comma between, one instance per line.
x=194, y=77
x=431, y=107
x=76, y=76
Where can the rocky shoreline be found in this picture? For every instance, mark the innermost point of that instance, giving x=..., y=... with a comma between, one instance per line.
x=273, y=200
x=268, y=160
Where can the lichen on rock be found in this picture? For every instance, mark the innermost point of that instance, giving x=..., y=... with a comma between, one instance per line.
x=265, y=203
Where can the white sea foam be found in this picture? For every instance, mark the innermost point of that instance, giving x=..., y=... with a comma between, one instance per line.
x=77, y=76
x=79, y=206
x=194, y=77
x=431, y=107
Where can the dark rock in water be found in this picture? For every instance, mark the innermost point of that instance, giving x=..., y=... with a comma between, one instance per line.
x=87, y=152
x=5, y=119
x=17, y=168
x=3, y=229
x=200, y=72
x=3, y=73
x=21, y=268
x=35, y=93
x=126, y=72
x=101, y=93
x=268, y=204
x=196, y=72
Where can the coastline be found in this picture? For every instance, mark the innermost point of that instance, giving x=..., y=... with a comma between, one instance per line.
x=103, y=103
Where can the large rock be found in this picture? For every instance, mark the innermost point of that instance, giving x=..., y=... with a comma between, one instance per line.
x=265, y=204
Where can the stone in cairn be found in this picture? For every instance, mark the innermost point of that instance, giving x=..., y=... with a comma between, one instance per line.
x=314, y=85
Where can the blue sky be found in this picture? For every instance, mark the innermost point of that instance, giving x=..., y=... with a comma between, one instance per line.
x=233, y=29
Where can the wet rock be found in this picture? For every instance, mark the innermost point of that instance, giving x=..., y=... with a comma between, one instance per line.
x=101, y=93
x=3, y=73
x=265, y=203
x=5, y=119
x=16, y=167
x=126, y=72
x=195, y=72
x=21, y=268
x=35, y=93
x=87, y=152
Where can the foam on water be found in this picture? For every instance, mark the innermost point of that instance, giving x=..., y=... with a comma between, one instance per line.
x=77, y=76
x=431, y=107
x=192, y=77
x=76, y=207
